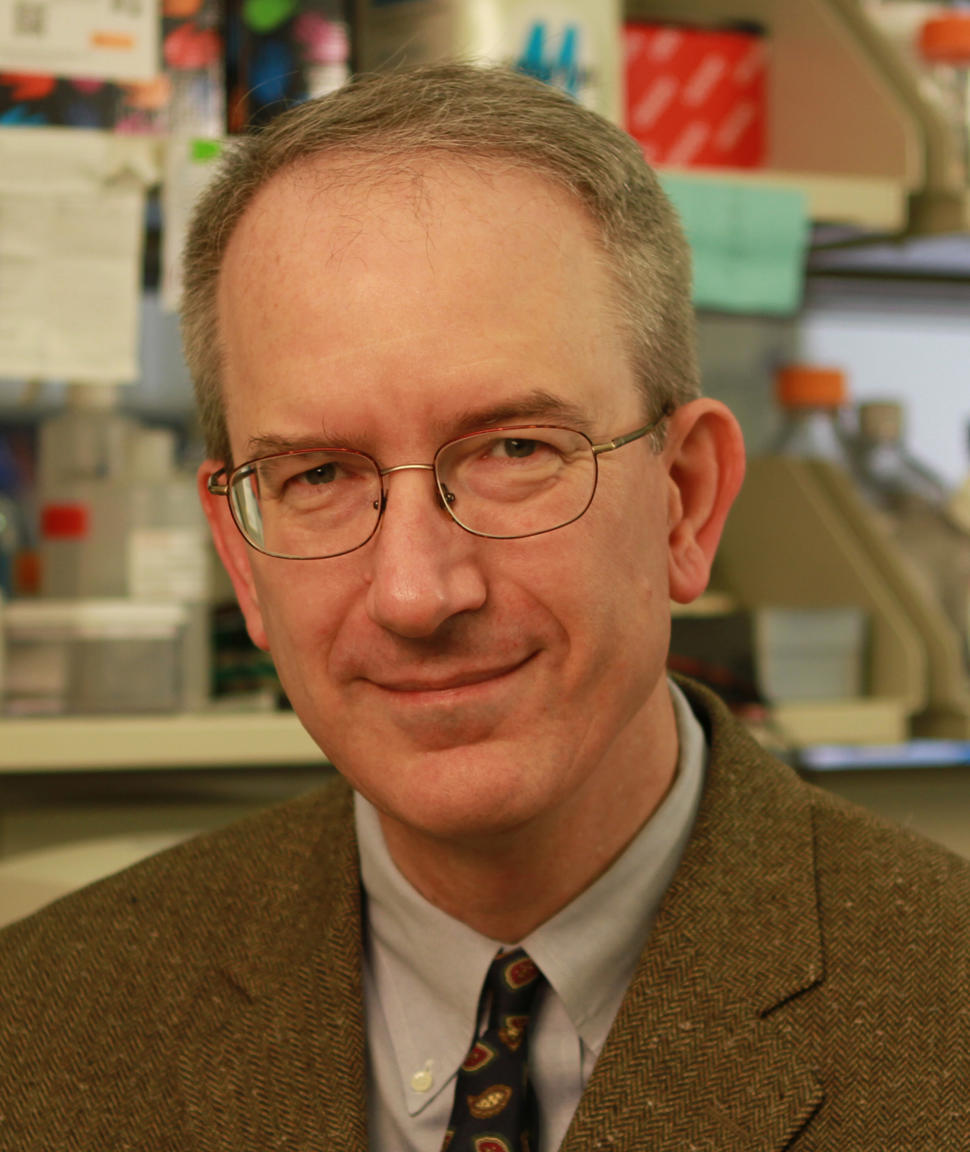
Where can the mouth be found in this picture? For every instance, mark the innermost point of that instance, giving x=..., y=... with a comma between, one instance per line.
x=455, y=681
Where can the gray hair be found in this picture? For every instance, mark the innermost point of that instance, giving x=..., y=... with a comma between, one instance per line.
x=471, y=113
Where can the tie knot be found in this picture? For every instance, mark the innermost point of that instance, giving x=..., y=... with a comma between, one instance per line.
x=513, y=981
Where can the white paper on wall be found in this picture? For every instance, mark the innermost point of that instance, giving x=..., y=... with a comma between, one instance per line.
x=71, y=237
x=107, y=39
x=189, y=164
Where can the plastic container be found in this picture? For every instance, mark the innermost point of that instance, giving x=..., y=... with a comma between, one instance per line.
x=120, y=520
x=810, y=653
x=10, y=543
x=325, y=47
x=917, y=509
x=958, y=501
x=87, y=439
x=167, y=550
x=575, y=46
x=944, y=43
x=82, y=540
x=83, y=452
x=812, y=399
x=14, y=534
x=887, y=475
x=92, y=656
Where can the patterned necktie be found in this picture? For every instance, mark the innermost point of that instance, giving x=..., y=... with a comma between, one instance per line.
x=495, y=1104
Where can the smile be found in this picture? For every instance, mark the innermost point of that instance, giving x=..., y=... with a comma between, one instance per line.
x=464, y=679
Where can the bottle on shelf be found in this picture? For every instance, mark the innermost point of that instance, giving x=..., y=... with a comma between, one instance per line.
x=888, y=476
x=958, y=502
x=913, y=502
x=11, y=540
x=944, y=44
x=812, y=399
x=167, y=549
x=120, y=521
x=81, y=494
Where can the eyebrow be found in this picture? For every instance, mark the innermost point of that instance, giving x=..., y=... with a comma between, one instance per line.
x=274, y=445
x=532, y=407
x=536, y=406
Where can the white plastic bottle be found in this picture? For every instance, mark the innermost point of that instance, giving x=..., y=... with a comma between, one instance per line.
x=167, y=549
x=81, y=494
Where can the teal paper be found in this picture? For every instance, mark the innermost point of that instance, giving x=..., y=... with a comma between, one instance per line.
x=748, y=243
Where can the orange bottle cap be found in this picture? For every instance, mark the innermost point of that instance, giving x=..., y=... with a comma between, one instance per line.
x=945, y=39
x=809, y=386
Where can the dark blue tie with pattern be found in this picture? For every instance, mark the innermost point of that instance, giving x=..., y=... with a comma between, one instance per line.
x=495, y=1104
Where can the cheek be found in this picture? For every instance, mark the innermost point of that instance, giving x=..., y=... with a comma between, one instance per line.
x=302, y=610
x=607, y=589
x=623, y=561
x=622, y=572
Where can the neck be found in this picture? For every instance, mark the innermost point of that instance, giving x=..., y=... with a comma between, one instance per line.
x=505, y=883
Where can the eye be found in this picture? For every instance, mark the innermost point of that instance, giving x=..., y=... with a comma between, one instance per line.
x=532, y=449
x=517, y=449
x=312, y=476
x=322, y=474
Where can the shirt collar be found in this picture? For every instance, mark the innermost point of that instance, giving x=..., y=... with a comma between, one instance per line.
x=427, y=968
x=589, y=950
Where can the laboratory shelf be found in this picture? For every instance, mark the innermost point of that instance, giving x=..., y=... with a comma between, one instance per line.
x=876, y=757
x=252, y=740
x=708, y=604
x=125, y=743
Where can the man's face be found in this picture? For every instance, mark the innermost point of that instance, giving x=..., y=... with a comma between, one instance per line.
x=466, y=686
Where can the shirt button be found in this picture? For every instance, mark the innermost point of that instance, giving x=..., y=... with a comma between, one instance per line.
x=422, y=1080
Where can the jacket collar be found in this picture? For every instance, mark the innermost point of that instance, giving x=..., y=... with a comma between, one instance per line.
x=275, y=1057
x=696, y=1056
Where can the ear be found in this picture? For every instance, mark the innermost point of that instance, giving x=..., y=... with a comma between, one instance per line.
x=704, y=455
x=234, y=553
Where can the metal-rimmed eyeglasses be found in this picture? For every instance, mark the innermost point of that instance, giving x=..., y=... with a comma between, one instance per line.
x=501, y=483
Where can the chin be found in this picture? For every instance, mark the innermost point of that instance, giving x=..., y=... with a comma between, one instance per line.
x=462, y=792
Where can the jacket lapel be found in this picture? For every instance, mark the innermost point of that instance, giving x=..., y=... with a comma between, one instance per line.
x=276, y=1059
x=699, y=1056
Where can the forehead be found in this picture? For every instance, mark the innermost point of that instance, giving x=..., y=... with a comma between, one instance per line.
x=430, y=287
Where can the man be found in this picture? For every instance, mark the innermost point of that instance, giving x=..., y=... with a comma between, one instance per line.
x=440, y=329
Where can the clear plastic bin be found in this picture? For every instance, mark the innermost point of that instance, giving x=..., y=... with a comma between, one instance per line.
x=810, y=653
x=92, y=656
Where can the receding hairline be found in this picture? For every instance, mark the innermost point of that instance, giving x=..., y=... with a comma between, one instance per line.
x=321, y=196
x=343, y=167
x=346, y=169
x=475, y=116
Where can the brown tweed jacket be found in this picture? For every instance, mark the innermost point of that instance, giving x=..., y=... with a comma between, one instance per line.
x=805, y=988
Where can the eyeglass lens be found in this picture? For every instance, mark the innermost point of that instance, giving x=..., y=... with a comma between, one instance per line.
x=504, y=484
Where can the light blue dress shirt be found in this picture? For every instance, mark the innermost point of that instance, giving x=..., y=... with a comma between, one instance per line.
x=424, y=970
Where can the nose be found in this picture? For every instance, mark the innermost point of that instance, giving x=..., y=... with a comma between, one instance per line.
x=424, y=568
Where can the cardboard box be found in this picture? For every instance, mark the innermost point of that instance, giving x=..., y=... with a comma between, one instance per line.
x=696, y=96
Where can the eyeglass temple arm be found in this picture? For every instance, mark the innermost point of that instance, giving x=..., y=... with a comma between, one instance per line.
x=636, y=434
x=216, y=487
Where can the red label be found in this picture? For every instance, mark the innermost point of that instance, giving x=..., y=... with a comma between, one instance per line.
x=64, y=521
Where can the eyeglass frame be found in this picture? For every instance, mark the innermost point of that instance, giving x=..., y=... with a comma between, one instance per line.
x=216, y=487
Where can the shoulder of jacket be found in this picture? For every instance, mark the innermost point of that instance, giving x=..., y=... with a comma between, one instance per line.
x=181, y=898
